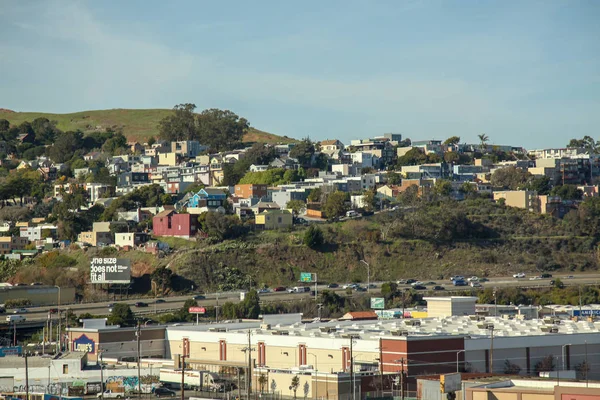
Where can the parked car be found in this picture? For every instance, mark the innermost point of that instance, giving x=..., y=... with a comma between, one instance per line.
x=333, y=285
x=163, y=392
x=519, y=275
x=160, y=301
x=438, y=287
x=109, y=394
x=20, y=311
x=546, y=275
x=141, y=304
x=280, y=289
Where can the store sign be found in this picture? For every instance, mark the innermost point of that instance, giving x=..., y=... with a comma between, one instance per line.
x=197, y=310
x=84, y=343
x=11, y=351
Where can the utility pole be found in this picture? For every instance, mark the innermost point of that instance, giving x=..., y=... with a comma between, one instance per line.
x=137, y=335
x=44, y=342
x=217, y=310
x=50, y=332
x=320, y=306
x=249, y=375
x=58, y=335
x=492, y=350
x=183, y=376
x=352, y=369
x=402, y=380
x=14, y=333
x=26, y=377
x=101, y=374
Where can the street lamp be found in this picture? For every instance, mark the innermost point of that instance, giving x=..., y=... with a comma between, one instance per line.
x=457, y=353
x=368, y=274
x=59, y=335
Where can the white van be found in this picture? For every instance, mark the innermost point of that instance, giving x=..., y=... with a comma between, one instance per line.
x=301, y=289
x=352, y=214
x=15, y=318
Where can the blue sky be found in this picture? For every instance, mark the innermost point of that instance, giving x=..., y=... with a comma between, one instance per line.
x=523, y=72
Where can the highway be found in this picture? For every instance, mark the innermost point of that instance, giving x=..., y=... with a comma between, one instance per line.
x=176, y=302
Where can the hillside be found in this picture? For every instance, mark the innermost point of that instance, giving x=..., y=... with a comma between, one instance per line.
x=136, y=124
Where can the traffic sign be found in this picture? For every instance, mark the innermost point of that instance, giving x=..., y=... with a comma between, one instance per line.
x=306, y=277
x=377, y=303
x=197, y=310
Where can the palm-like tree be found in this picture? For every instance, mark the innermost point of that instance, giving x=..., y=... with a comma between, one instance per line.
x=483, y=138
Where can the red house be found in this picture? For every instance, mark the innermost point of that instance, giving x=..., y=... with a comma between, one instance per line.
x=169, y=223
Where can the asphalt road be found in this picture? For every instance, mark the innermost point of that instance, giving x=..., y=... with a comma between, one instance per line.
x=176, y=302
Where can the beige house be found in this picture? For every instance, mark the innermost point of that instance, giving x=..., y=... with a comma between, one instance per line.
x=99, y=235
x=167, y=159
x=10, y=243
x=274, y=219
x=526, y=199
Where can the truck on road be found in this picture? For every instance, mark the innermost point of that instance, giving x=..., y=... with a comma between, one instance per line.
x=194, y=380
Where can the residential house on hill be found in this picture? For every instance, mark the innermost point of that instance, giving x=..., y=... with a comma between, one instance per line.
x=169, y=223
x=273, y=219
x=250, y=190
x=207, y=199
x=100, y=235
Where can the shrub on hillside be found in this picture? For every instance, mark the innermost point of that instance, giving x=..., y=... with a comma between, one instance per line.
x=313, y=237
x=16, y=303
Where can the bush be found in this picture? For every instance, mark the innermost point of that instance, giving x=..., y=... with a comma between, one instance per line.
x=16, y=303
x=313, y=237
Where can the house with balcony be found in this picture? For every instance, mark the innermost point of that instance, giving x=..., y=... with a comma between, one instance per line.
x=207, y=199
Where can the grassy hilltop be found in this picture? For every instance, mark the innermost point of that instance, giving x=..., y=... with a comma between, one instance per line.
x=136, y=124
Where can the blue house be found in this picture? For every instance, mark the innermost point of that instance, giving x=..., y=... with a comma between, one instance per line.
x=209, y=198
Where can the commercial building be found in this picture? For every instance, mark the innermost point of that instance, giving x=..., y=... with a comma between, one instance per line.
x=38, y=295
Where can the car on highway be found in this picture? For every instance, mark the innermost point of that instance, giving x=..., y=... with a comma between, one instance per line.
x=36, y=284
x=141, y=304
x=430, y=283
x=459, y=282
x=419, y=287
x=519, y=275
x=372, y=285
x=359, y=288
x=483, y=280
x=417, y=283
x=569, y=277
x=53, y=311
x=473, y=279
x=160, y=301
x=438, y=287
x=280, y=289
x=401, y=282
x=457, y=278
x=199, y=297
x=20, y=311
x=350, y=286
x=546, y=275
x=535, y=278
x=264, y=290
x=333, y=285
x=163, y=392
x=475, y=284
x=409, y=281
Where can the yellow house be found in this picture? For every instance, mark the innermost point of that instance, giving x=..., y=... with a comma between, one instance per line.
x=274, y=219
x=167, y=159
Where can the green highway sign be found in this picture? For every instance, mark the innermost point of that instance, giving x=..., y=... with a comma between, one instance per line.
x=377, y=303
x=305, y=277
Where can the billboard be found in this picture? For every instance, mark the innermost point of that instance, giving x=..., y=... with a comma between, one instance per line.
x=586, y=313
x=450, y=382
x=110, y=270
x=11, y=351
x=377, y=303
x=197, y=310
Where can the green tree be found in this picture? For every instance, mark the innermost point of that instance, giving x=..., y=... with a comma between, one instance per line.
x=295, y=384
x=314, y=196
x=121, y=315
x=511, y=178
x=161, y=277
x=452, y=140
x=442, y=188
x=250, y=306
x=389, y=290
x=567, y=192
x=510, y=368
x=303, y=152
x=296, y=206
x=369, y=199
x=545, y=364
x=64, y=146
x=541, y=184
x=452, y=157
x=220, y=226
x=262, y=382
x=221, y=130
x=483, y=139
x=181, y=125
x=313, y=237
x=588, y=143
x=393, y=178
x=415, y=156
x=335, y=205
